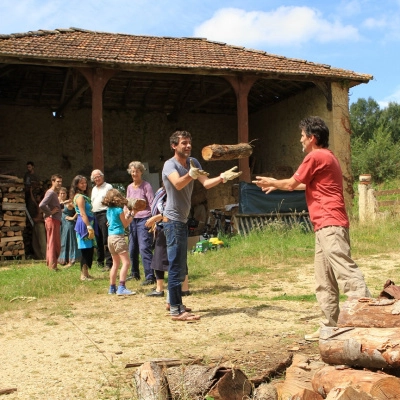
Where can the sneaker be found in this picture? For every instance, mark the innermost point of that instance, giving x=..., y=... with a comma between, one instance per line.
x=313, y=337
x=112, y=290
x=123, y=291
x=148, y=282
x=154, y=293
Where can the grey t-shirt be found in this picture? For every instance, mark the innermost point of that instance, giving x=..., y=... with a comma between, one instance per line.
x=178, y=201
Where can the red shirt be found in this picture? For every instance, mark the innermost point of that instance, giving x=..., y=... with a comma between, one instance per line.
x=321, y=173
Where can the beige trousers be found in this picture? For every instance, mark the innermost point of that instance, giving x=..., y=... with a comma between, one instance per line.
x=335, y=270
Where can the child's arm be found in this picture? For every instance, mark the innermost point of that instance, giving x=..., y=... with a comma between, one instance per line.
x=126, y=220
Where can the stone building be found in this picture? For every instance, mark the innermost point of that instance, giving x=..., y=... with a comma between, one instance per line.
x=72, y=100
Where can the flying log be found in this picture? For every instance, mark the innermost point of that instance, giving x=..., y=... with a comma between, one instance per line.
x=223, y=152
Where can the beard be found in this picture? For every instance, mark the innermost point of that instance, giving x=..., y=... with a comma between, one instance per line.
x=184, y=154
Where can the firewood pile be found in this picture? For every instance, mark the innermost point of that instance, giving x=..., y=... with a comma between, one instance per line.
x=360, y=358
x=12, y=216
x=169, y=379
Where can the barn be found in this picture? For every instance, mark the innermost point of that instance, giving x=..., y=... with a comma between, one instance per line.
x=72, y=100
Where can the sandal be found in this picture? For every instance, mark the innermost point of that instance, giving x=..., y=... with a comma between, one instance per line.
x=86, y=278
x=187, y=309
x=185, y=316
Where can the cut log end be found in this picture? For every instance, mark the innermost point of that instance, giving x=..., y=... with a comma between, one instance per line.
x=224, y=152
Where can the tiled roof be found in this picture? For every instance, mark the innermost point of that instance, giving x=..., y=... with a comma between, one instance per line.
x=129, y=51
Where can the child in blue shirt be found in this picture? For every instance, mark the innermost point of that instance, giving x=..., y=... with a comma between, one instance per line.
x=117, y=222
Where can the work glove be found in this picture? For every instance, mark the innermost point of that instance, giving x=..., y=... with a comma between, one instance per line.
x=195, y=172
x=90, y=232
x=229, y=175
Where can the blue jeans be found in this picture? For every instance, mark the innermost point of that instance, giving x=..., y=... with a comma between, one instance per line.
x=176, y=234
x=140, y=241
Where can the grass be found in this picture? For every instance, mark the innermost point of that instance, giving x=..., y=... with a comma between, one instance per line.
x=274, y=255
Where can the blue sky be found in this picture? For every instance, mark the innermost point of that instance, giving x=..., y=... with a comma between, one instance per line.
x=359, y=35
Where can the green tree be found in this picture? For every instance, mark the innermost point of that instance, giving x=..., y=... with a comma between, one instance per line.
x=364, y=118
x=390, y=120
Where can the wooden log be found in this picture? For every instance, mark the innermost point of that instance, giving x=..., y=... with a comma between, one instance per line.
x=217, y=152
x=233, y=385
x=13, y=206
x=298, y=376
x=266, y=391
x=366, y=314
x=12, y=178
x=379, y=385
x=361, y=347
x=306, y=394
x=8, y=217
x=150, y=382
x=13, y=239
x=347, y=393
x=192, y=381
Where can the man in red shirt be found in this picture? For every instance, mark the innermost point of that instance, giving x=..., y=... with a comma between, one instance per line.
x=321, y=177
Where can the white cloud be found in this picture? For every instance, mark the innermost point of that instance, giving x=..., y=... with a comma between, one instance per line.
x=285, y=26
x=394, y=98
x=350, y=7
x=372, y=23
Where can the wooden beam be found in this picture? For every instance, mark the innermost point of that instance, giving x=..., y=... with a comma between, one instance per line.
x=97, y=79
x=241, y=86
x=326, y=89
x=78, y=92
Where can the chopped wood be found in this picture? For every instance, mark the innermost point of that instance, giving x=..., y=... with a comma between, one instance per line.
x=233, y=385
x=378, y=385
x=193, y=381
x=347, y=393
x=266, y=391
x=13, y=239
x=364, y=315
x=361, y=347
x=150, y=382
x=218, y=152
x=12, y=177
x=8, y=217
x=13, y=206
x=306, y=394
x=298, y=376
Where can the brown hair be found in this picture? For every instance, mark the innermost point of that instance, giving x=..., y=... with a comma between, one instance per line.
x=114, y=198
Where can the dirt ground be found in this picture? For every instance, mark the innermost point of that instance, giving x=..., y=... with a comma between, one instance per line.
x=81, y=352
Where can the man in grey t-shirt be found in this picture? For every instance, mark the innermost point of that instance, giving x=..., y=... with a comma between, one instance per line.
x=178, y=176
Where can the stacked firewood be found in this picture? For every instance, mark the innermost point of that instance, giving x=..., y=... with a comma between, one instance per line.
x=360, y=357
x=12, y=216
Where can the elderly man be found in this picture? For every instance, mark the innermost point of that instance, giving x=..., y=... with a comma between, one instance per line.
x=99, y=210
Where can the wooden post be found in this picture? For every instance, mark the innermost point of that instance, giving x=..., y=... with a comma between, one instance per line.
x=97, y=78
x=242, y=85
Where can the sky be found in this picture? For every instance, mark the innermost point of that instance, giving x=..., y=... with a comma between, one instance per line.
x=358, y=35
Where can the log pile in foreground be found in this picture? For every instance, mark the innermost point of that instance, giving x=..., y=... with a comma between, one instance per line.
x=356, y=363
x=12, y=216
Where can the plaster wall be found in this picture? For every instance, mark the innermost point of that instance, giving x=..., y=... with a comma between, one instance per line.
x=64, y=145
x=278, y=151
